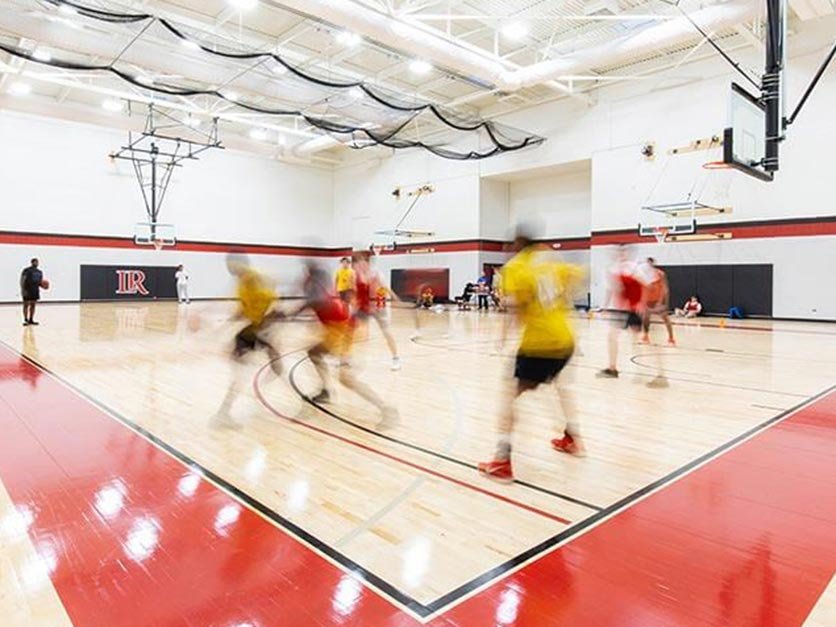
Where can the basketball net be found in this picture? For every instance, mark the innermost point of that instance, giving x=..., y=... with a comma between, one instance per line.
x=661, y=234
x=158, y=244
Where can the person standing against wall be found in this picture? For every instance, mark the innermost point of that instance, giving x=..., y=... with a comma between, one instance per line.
x=483, y=290
x=182, y=285
x=30, y=291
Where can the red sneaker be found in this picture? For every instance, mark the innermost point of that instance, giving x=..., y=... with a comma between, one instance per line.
x=568, y=444
x=498, y=470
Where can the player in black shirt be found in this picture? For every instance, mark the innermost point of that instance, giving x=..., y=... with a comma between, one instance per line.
x=30, y=290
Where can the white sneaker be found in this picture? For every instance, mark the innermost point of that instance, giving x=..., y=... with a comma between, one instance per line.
x=390, y=416
x=415, y=336
x=223, y=421
x=659, y=382
x=396, y=363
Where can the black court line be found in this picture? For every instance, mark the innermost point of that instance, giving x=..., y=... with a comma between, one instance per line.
x=625, y=502
x=434, y=607
x=421, y=449
x=280, y=521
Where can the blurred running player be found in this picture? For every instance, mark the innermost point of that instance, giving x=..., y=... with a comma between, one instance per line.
x=656, y=299
x=256, y=301
x=336, y=339
x=625, y=297
x=538, y=291
x=366, y=284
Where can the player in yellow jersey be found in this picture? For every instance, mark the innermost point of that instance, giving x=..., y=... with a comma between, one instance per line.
x=538, y=291
x=256, y=301
x=344, y=280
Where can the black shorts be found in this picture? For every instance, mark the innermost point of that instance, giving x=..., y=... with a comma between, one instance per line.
x=248, y=339
x=627, y=320
x=539, y=369
x=30, y=295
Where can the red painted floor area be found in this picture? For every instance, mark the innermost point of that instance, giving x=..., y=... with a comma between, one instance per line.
x=137, y=539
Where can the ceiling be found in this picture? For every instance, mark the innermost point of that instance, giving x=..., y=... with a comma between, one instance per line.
x=479, y=57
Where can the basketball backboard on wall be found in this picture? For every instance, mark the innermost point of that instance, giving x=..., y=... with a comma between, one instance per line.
x=744, y=138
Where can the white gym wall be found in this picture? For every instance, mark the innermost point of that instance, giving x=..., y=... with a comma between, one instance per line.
x=588, y=178
x=56, y=178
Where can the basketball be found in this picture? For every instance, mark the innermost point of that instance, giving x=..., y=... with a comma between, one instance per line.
x=45, y=284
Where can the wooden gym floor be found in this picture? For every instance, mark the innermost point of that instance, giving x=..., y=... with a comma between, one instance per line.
x=708, y=502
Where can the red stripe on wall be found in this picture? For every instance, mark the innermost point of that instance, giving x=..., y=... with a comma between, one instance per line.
x=99, y=241
x=802, y=227
x=739, y=230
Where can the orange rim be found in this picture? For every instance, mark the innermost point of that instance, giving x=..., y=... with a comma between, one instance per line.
x=715, y=165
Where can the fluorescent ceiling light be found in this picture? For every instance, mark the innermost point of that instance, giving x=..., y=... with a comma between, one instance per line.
x=244, y=5
x=42, y=55
x=282, y=140
x=258, y=134
x=515, y=31
x=191, y=45
x=111, y=104
x=145, y=79
x=419, y=66
x=232, y=96
x=20, y=89
x=66, y=9
x=355, y=92
x=191, y=121
x=279, y=69
x=347, y=38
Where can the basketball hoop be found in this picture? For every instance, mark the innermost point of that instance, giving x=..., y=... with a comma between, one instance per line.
x=716, y=165
x=661, y=234
x=158, y=244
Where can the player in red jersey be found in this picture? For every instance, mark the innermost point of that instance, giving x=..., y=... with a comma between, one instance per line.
x=366, y=285
x=625, y=297
x=336, y=340
x=656, y=299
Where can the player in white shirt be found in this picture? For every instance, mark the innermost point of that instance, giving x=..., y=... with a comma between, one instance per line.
x=182, y=285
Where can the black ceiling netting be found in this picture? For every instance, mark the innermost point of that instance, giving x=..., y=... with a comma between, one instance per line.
x=177, y=61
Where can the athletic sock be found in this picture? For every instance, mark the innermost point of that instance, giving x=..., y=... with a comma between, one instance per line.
x=503, y=449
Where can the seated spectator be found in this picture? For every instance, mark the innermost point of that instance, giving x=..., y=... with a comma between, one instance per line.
x=463, y=301
x=426, y=297
x=691, y=309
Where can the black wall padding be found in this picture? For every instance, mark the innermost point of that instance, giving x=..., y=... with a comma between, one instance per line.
x=720, y=287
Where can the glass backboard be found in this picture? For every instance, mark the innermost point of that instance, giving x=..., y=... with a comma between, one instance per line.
x=744, y=139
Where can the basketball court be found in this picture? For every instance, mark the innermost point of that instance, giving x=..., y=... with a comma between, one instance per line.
x=169, y=163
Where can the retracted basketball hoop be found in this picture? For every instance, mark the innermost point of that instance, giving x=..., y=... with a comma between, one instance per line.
x=716, y=165
x=661, y=234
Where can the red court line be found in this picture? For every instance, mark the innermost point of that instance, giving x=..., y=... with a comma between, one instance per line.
x=399, y=460
x=748, y=538
x=129, y=536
